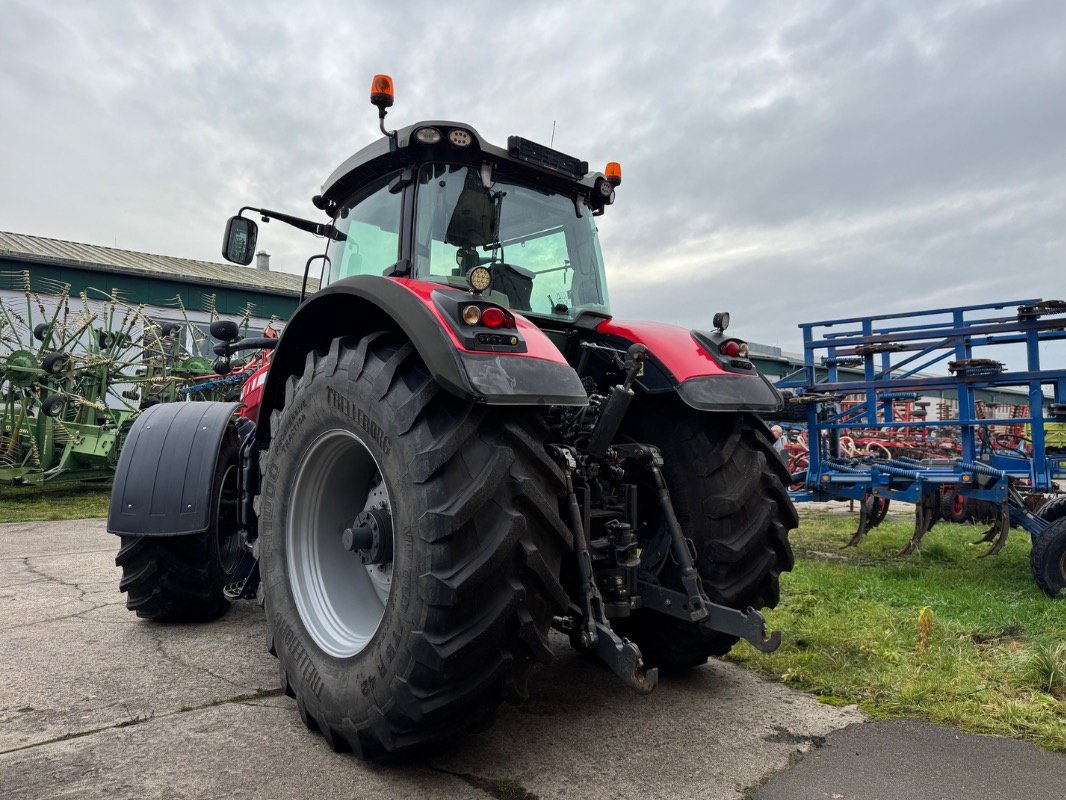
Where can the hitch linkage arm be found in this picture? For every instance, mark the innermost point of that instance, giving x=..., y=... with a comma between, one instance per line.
x=621, y=655
x=693, y=605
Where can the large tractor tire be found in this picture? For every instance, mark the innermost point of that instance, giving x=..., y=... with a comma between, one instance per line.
x=729, y=490
x=181, y=578
x=420, y=644
x=1047, y=559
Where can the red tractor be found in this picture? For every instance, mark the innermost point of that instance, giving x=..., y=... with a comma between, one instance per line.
x=455, y=449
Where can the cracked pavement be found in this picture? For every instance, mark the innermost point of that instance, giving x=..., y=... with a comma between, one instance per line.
x=96, y=703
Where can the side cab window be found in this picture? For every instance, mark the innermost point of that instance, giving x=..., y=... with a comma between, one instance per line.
x=371, y=222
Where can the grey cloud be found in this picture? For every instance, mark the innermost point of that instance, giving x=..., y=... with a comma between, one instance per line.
x=787, y=161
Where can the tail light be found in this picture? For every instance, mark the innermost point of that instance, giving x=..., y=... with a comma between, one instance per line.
x=493, y=317
x=734, y=349
x=487, y=316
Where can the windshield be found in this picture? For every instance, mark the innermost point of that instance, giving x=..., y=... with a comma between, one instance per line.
x=544, y=258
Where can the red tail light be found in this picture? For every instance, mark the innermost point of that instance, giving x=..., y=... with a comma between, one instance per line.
x=730, y=348
x=493, y=317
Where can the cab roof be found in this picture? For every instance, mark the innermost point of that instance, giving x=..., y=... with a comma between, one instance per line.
x=525, y=160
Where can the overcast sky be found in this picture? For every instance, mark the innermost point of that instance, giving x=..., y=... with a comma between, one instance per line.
x=785, y=161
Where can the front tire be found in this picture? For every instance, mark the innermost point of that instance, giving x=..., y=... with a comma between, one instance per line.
x=729, y=490
x=477, y=548
x=181, y=578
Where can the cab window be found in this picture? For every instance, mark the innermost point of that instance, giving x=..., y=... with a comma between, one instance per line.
x=371, y=222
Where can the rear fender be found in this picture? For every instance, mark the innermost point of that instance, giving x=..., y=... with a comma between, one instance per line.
x=166, y=470
x=687, y=362
x=363, y=304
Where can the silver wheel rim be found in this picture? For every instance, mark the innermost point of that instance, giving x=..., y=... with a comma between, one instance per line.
x=340, y=601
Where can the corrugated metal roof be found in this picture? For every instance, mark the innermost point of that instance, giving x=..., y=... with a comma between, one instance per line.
x=23, y=247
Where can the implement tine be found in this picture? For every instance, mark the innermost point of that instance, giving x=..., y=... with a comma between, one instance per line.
x=865, y=513
x=924, y=515
x=1003, y=525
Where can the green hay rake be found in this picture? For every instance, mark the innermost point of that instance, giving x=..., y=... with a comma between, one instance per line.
x=76, y=370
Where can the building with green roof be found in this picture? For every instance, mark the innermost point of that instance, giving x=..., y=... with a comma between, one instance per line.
x=154, y=280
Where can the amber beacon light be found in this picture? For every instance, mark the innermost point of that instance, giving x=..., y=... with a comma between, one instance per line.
x=381, y=91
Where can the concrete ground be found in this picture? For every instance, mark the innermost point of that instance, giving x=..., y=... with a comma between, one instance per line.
x=906, y=758
x=95, y=703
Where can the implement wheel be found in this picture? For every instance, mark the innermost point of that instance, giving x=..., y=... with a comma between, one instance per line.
x=1047, y=559
x=729, y=489
x=881, y=506
x=1053, y=509
x=181, y=578
x=954, y=507
x=419, y=638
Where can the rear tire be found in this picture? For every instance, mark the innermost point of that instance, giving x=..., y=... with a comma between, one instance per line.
x=181, y=578
x=477, y=548
x=729, y=490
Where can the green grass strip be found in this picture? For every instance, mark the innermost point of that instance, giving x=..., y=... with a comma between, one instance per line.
x=32, y=503
x=993, y=662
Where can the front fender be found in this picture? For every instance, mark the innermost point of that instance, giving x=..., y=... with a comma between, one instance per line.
x=166, y=470
x=681, y=360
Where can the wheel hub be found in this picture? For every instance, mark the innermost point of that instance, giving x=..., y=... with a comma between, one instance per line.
x=21, y=368
x=370, y=537
x=340, y=601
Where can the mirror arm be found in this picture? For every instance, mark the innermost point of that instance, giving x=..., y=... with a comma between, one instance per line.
x=317, y=228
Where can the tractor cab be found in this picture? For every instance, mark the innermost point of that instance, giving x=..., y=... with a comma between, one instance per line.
x=497, y=249
x=533, y=249
x=435, y=202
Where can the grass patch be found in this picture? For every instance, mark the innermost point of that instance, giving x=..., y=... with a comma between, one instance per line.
x=992, y=661
x=31, y=503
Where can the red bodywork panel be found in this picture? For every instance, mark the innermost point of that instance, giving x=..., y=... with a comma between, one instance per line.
x=252, y=393
x=538, y=345
x=674, y=349
x=672, y=345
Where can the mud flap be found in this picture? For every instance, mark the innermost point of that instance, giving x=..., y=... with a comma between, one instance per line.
x=165, y=471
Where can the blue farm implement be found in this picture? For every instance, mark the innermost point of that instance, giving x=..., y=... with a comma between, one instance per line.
x=858, y=371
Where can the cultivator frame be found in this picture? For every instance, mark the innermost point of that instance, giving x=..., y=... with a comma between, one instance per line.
x=895, y=353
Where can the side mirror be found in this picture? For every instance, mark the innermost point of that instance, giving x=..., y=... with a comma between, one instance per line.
x=238, y=245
